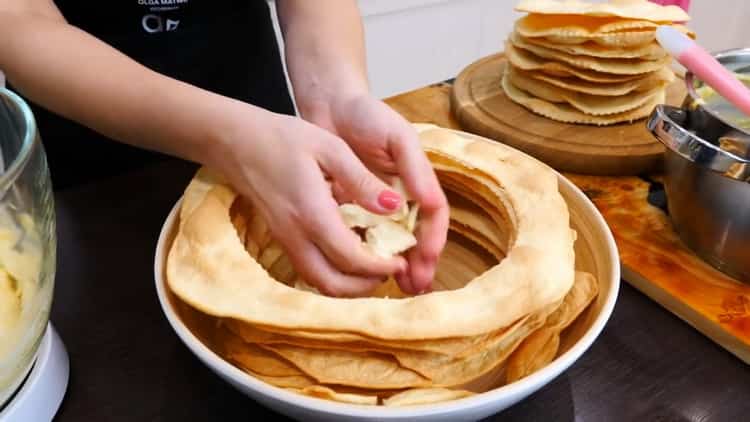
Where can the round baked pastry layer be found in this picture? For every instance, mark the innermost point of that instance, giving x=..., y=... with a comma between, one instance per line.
x=209, y=268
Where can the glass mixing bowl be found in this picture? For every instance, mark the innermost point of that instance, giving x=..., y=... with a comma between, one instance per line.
x=27, y=242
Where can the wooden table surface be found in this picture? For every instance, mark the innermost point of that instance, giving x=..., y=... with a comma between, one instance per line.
x=128, y=365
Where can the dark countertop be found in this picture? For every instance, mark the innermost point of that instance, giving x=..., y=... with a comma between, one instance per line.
x=127, y=364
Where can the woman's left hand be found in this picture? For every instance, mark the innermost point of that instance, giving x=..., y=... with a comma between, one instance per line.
x=389, y=146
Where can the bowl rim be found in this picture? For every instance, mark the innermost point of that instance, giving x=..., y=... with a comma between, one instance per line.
x=522, y=387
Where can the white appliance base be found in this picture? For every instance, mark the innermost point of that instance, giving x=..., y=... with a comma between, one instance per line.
x=41, y=393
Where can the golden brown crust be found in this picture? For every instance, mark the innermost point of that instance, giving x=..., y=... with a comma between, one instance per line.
x=629, y=9
x=568, y=114
x=617, y=66
x=526, y=60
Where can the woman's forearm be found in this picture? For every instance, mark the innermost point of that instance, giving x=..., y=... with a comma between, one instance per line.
x=325, y=50
x=81, y=78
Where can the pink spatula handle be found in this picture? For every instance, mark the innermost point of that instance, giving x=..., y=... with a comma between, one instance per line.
x=705, y=67
x=684, y=4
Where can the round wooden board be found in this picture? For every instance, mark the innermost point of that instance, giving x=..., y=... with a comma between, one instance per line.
x=480, y=105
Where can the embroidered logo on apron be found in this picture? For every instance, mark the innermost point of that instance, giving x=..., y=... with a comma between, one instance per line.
x=161, y=15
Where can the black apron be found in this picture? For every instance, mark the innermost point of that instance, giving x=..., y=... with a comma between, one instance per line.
x=225, y=46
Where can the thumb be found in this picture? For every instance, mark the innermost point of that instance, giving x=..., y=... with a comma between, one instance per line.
x=357, y=181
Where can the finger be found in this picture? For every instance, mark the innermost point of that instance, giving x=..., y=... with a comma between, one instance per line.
x=414, y=167
x=342, y=196
x=432, y=233
x=421, y=272
x=313, y=267
x=359, y=183
x=323, y=225
x=434, y=214
x=404, y=282
x=343, y=247
x=389, y=178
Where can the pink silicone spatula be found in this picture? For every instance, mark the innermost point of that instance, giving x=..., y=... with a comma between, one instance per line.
x=704, y=66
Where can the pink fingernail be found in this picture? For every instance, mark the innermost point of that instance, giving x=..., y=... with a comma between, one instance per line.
x=389, y=200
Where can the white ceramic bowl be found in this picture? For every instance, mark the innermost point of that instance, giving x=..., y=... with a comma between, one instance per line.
x=596, y=252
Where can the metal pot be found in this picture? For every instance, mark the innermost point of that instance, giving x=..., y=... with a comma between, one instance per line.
x=707, y=174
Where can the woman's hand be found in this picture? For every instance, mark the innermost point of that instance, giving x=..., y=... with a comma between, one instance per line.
x=389, y=146
x=286, y=167
x=325, y=54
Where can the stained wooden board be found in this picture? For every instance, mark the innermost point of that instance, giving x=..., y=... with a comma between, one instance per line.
x=653, y=258
x=656, y=262
x=480, y=106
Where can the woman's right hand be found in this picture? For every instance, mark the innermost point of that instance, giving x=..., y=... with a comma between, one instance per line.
x=286, y=167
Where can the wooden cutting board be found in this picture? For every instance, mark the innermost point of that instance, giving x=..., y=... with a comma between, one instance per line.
x=481, y=107
x=653, y=258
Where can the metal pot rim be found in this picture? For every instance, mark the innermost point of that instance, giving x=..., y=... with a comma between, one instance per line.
x=693, y=148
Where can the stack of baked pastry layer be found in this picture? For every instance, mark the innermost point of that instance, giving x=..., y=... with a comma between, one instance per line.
x=590, y=63
x=505, y=290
